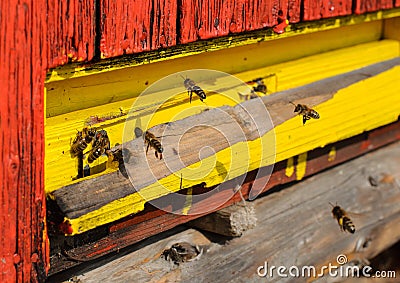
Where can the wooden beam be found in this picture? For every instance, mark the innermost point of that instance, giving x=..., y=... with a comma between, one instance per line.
x=152, y=221
x=295, y=228
x=231, y=221
x=24, y=250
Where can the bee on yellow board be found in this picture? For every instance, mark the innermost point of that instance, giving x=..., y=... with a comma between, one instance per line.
x=191, y=87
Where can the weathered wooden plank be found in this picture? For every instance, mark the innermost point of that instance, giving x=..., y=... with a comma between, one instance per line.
x=208, y=19
x=134, y=26
x=231, y=221
x=361, y=6
x=23, y=243
x=295, y=228
x=152, y=221
x=72, y=30
x=79, y=199
x=314, y=10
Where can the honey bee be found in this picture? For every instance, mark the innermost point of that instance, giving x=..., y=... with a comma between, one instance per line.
x=307, y=112
x=78, y=145
x=191, y=87
x=261, y=87
x=88, y=134
x=120, y=155
x=153, y=142
x=343, y=219
x=100, y=145
x=182, y=252
x=81, y=141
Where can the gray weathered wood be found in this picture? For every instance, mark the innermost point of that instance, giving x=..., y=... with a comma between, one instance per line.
x=231, y=221
x=294, y=227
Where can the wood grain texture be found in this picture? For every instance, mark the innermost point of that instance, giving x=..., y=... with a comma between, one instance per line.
x=364, y=6
x=208, y=19
x=71, y=31
x=23, y=244
x=314, y=10
x=231, y=221
x=129, y=27
x=295, y=227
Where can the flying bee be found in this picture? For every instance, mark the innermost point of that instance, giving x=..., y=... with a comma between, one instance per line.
x=78, y=145
x=153, y=142
x=307, y=112
x=191, y=87
x=343, y=219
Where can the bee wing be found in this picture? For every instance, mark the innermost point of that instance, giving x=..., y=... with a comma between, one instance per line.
x=354, y=215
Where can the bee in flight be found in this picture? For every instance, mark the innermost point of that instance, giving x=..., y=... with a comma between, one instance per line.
x=343, y=219
x=307, y=112
x=153, y=142
x=191, y=87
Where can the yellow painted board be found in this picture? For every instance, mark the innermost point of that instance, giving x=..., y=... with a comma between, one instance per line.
x=122, y=82
x=60, y=130
x=360, y=107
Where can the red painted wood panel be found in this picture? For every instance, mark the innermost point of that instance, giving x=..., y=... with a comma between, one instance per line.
x=131, y=26
x=23, y=53
x=208, y=19
x=71, y=32
x=364, y=6
x=317, y=9
x=397, y=3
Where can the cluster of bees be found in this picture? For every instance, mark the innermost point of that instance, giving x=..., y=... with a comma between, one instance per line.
x=98, y=139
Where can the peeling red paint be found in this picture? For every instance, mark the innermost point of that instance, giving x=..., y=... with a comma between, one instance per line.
x=362, y=6
x=315, y=10
x=71, y=36
x=135, y=26
x=208, y=19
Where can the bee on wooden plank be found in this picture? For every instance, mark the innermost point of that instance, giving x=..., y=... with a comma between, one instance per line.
x=307, y=112
x=153, y=142
x=191, y=87
x=182, y=252
x=120, y=155
x=343, y=219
